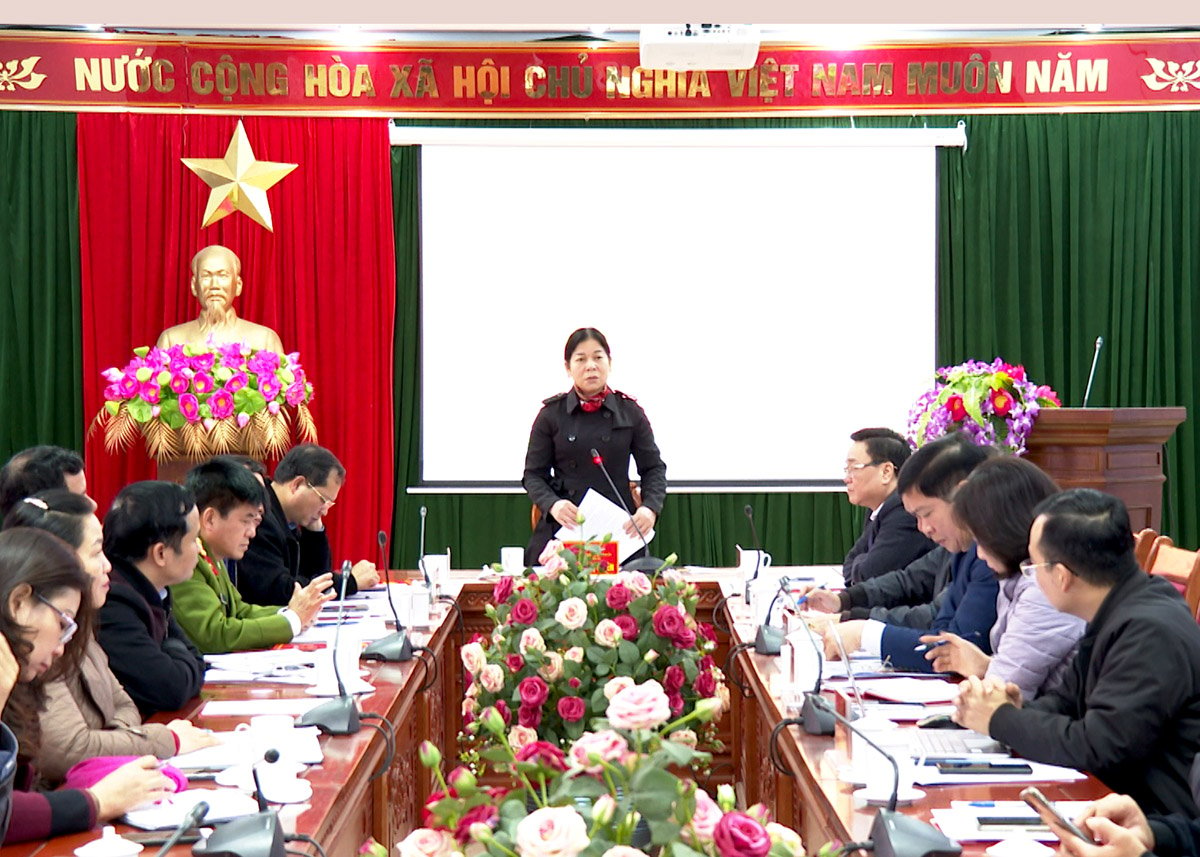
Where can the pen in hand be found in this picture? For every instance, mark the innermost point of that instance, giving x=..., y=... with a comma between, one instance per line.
x=804, y=598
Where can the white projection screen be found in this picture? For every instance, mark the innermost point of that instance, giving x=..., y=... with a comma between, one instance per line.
x=761, y=303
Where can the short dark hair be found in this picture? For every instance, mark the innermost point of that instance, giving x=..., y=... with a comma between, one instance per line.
x=33, y=470
x=57, y=511
x=144, y=514
x=223, y=484
x=581, y=336
x=314, y=463
x=1088, y=531
x=249, y=462
x=937, y=467
x=996, y=504
x=883, y=444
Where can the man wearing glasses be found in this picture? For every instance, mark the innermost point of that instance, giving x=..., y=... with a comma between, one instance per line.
x=890, y=538
x=291, y=545
x=1128, y=708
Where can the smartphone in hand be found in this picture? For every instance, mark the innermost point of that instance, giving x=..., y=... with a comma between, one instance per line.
x=1051, y=814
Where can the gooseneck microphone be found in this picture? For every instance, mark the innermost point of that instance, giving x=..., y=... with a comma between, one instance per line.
x=646, y=563
x=270, y=757
x=395, y=647
x=421, y=552
x=258, y=835
x=748, y=511
x=193, y=818
x=894, y=834
x=339, y=716
x=1092, y=374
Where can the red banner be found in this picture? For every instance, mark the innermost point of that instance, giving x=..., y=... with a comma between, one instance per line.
x=590, y=79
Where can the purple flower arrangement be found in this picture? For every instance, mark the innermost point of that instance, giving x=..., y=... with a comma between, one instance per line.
x=993, y=403
x=188, y=401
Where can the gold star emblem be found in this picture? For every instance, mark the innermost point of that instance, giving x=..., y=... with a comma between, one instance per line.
x=238, y=182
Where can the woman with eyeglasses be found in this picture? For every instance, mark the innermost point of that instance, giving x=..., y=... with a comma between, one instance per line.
x=45, y=621
x=88, y=713
x=1032, y=642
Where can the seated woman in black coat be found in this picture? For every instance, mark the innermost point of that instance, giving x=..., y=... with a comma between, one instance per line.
x=559, y=468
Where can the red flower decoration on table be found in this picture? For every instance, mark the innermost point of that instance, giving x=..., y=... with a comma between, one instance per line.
x=668, y=622
x=572, y=708
x=739, y=835
x=533, y=691
x=524, y=612
x=545, y=753
x=502, y=589
x=955, y=406
x=618, y=597
x=1002, y=402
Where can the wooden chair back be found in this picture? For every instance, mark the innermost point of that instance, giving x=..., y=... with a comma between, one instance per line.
x=1178, y=565
x=1143, y=543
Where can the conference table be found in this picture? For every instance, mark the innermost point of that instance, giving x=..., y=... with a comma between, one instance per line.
x=348, y=805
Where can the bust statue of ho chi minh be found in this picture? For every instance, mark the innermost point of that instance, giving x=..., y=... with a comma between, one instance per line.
x=216, y=281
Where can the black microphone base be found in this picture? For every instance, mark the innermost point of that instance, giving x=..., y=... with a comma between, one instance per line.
x=393, y=648
x=337, y=717
x=899, y=835
x=644, y=564
x=768, y=641
x=258, y=835
x=816, y=721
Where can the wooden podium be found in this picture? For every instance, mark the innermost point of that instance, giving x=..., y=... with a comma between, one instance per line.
x=1116, y=450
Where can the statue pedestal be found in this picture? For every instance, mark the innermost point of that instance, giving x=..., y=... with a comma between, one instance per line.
x=1115, y=450
x=175, y=469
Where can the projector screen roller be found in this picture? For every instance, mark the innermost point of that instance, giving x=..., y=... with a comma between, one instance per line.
x=761, y=303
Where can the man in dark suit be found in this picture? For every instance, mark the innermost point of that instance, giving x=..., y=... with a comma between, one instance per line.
x=1128, y=708
x=151, y=538
x=291, y=545
x=890, y=538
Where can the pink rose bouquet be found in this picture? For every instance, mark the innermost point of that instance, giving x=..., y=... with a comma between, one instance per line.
x=562, y=639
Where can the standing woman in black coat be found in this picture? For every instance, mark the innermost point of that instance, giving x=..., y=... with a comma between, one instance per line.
x=591, y=415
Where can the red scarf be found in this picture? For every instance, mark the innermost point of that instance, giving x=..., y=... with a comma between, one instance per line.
x=594, y=403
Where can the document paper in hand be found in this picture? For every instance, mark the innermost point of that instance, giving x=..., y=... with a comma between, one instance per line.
x=602, y=517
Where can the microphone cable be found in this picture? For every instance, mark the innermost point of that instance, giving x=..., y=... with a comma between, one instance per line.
x=389, y=742
x=773, y=745
x=431, y=669
x=730, y=664
x=303, y=837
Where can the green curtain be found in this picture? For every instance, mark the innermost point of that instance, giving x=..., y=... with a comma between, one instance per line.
x=1052, y=229
x=40, y=356
x=1056, y=229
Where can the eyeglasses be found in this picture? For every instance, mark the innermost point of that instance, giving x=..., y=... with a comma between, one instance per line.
x=1029, y=569
x=69, y=625
x=313, y=488
x=851, y=469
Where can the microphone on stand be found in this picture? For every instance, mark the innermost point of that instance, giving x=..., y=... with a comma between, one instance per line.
x=339, y=716
x=646, y=563
x=894, y=834
x=421, y=553
x=749, y=512
x=395, y=647
x=270, y=757
x=193, y=818
x=1092, y=374
x=769, y=640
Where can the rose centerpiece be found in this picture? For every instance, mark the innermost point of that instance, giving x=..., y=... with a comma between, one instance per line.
x=993, y=403
x=593, y=797
x=194, y=402
x=565, y=643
